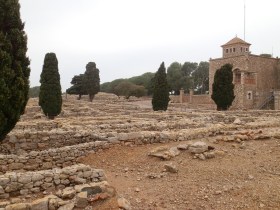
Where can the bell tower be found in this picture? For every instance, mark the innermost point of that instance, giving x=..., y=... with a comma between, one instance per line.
x=235, y=47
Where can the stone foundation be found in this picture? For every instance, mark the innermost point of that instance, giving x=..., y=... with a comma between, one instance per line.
x=14, y=183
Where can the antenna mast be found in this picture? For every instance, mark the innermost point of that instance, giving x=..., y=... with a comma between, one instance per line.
x=244, y=20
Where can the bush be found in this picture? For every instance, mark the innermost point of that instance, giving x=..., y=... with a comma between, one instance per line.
x=128, y=89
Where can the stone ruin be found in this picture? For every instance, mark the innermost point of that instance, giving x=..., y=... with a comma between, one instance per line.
x=43, y=156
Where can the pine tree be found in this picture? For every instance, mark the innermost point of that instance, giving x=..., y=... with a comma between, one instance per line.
x=91, y=80
x=50, y=98
x=14, y=66
x=223, y=89
x=161, y=94
x=77, y=87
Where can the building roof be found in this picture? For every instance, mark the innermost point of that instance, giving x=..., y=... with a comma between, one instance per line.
x=236, y=40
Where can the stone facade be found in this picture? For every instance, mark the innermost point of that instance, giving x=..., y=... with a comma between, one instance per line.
x=255, y=77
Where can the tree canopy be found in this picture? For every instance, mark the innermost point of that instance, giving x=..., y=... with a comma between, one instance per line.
x=223, y=88
x=14, y=66
x=34, y=92
x=201, y=77
x=128, y=89
x=77, y=88
x=188, y=76
x=142, y=80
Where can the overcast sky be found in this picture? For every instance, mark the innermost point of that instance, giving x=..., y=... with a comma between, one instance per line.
x=127, y=38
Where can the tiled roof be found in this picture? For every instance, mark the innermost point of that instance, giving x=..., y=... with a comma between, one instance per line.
x=236, y=40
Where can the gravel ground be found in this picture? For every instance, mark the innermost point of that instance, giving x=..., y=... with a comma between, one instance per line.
x=243, y=176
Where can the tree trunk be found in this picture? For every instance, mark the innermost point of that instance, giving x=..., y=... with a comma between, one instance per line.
x=51, y=117
x=91, y=97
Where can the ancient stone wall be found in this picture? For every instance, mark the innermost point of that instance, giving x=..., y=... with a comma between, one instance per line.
x=47, y=159
x=15, y=183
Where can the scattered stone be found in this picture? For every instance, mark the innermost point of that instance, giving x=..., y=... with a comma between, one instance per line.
x=250, y=177
x=124, y=204
x=237, y=121
x=165, y=153
x=209, y=155
x=200, y=156
x=261, y=137
x=183, y=146
x=198, y=147
x=218, y=192
x=137, y=189
x=262, y=205
x=170, y=167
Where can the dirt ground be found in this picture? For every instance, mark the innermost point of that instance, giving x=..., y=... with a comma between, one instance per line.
x=242, y=177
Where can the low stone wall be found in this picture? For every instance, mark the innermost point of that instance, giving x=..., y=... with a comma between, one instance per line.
x=202, y=99
x=14, y=183
x=69, y=155
x=48, y=159
x=193, y=99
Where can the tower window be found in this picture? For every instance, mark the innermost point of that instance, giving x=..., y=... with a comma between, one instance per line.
x=234, y=49
x=246, y=49
x=241, y=49
x=226, y=50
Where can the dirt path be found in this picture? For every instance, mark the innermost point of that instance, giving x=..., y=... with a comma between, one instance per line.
x=241, y=177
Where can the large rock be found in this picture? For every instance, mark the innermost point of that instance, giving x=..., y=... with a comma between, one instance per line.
x=24, y=179
x=198, y=147
x=170, y=167
x=68, y=192
x=164, y=152
x=81, y=200
x=124, y=204
x=16, y=166
x=40, y=204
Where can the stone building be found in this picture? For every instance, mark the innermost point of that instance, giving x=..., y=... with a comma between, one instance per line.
x=255, y=77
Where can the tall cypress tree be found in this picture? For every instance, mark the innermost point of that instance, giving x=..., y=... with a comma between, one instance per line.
x=14, y=66
x=161, y=94
x=223, y=89
x=50, y=98
x=91, y=80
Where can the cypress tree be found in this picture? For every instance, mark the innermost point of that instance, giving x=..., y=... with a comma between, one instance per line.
x=50, y=98
x=223, y=89
x=91, y=80
x=14, y=66
x=161, y=94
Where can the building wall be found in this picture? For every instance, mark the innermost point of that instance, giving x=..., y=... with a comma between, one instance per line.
x=235, y=50
x=263, y=71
